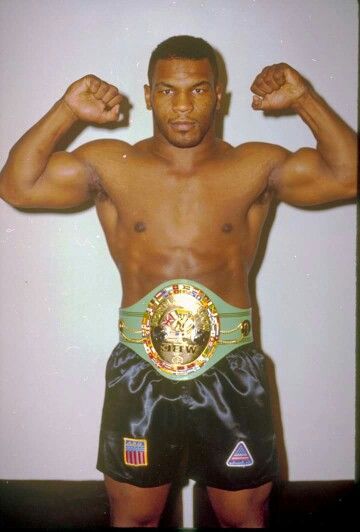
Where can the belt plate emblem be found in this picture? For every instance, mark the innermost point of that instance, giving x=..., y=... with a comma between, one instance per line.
x=180, y=328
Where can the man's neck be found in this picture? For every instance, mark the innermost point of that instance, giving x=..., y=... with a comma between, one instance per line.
x=184, y=159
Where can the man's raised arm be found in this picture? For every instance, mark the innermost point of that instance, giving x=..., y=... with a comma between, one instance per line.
x=35, y=176
x=308, y=176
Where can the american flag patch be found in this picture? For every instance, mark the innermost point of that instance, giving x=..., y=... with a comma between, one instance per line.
x=135, y=452
x=240, y=457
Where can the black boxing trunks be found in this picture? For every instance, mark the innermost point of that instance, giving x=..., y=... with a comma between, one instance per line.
x=214, y=427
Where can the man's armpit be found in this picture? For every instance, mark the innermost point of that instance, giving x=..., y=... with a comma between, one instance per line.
x=96, y=188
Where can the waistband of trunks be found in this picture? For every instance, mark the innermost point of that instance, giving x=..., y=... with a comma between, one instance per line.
x=183, y=328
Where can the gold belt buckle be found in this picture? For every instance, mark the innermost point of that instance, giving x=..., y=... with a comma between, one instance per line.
x=180, y=329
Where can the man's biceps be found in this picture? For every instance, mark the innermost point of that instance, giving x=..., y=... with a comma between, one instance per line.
x=63, y=176
x=304, y=167
x=62, y=183
x=319, y=192
x=315, y=186
x=308, y=162
x=64, y=166
x=49, y=195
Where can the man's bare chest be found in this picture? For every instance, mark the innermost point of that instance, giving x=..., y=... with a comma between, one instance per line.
x=220, y=194
x=183, y=218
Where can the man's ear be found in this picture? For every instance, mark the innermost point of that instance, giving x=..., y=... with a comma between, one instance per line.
x=147, y=92
x=219, y=93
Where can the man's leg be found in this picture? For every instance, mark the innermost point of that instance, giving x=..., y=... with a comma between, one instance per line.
x=245, y=508
x=131, y=506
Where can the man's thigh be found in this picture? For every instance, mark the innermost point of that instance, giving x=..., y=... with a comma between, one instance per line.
x=132, y=506
x=246, y=508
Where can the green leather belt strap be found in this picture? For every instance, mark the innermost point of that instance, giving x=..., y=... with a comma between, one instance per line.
x=233, y=327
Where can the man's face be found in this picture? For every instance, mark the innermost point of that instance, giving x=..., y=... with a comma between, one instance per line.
x=184, y=99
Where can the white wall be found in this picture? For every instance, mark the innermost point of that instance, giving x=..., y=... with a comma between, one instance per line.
x=60, y=290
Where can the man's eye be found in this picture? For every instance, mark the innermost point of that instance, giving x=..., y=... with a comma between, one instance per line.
x=166, y=91
x=199, y=91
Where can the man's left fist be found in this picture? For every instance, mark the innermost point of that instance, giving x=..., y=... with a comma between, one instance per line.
x=278, y=87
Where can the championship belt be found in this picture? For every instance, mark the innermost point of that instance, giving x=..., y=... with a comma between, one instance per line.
x=179, y=327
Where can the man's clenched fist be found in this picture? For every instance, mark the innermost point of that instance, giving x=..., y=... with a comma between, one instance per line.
x=93, y=100
x=278, y=87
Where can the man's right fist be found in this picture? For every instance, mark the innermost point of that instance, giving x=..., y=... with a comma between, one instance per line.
x=93, y=100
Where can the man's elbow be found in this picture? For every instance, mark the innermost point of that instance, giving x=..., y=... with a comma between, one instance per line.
x=351, y=188
x=348, y=180
x=13, y=197
x=350, y=174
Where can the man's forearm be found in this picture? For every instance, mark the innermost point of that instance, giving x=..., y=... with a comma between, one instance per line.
x=29, y=156
x=336, y=141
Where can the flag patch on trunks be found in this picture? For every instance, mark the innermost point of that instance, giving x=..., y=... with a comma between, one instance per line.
x=240, y=456
x=135, y=452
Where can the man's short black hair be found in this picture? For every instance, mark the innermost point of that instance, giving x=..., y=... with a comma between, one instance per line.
x=183, y=47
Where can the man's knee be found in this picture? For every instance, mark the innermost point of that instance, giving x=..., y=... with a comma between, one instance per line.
x=133, y=516
x=131, y=506
x=241, y=509
x=250, y=515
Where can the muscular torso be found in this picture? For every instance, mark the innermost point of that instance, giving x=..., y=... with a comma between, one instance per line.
x=201, y=223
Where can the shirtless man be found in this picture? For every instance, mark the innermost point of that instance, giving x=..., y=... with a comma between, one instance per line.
x=182, y=213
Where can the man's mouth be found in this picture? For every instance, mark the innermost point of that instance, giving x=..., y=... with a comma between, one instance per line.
x=182, y=125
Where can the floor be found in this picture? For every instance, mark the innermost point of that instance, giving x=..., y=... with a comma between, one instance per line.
x=83, y=504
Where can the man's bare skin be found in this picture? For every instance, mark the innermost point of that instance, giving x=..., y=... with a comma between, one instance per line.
x=182, y=204
x=170, y=225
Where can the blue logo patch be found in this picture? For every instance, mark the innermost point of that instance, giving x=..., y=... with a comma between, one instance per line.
x=240, y=456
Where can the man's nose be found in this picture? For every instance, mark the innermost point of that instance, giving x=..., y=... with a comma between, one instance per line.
x=182, y=102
